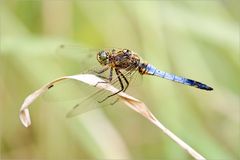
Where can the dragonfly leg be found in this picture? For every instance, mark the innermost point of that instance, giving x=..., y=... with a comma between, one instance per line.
x=125, y=79
x=101, y=71
x=124, y=88
x=121, y=83
x=110, y=75
x=103, y=77
x=107, y=78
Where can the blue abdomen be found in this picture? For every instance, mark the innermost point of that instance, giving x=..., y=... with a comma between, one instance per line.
x=151, y=70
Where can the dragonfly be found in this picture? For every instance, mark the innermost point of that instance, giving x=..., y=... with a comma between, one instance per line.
x=124, y=63
x=125, y=59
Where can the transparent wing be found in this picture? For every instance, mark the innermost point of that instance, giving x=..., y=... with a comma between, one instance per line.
x=75, y=58
x=93, y=101
x=72, y=59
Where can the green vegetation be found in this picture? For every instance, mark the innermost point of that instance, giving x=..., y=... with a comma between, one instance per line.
x=194, y=39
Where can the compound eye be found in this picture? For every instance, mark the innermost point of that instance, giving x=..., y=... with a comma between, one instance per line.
x=103, y=57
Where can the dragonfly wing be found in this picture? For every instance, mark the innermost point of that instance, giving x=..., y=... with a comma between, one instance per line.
x=74, y=58
x=90, y=103
x=93, y=101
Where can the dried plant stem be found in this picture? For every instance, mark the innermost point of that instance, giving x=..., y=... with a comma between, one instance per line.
x=143, y=110
x=130, y=101
x=180, y=142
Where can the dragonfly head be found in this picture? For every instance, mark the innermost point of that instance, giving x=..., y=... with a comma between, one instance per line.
x=103, y=57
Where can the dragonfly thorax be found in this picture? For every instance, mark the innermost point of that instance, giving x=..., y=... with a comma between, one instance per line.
x=124, y=59
x=119, y=59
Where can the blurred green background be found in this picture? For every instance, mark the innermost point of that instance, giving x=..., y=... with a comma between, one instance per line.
x=195, y=39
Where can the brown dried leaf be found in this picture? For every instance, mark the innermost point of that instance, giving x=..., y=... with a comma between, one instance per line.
x=130, y=101
x=86, y=78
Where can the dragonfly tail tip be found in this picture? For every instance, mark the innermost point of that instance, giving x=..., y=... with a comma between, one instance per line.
x=210, y=89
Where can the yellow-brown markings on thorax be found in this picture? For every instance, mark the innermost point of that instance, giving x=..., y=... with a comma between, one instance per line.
x=123, y=59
